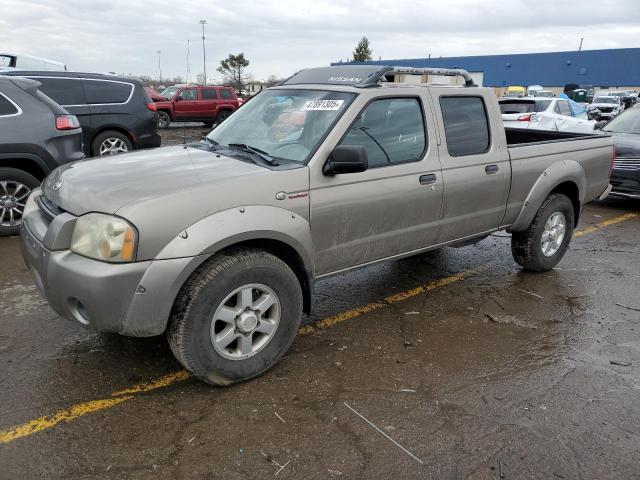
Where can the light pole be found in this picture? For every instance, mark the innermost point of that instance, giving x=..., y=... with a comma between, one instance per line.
x=159, y=69
x=204, y=53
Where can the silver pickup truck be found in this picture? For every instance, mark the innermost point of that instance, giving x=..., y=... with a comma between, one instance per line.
x=219, y=243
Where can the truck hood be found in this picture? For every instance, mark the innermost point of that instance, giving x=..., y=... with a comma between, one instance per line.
x=106, y=184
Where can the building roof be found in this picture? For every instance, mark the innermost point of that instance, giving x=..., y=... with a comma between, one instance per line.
x=602, y=68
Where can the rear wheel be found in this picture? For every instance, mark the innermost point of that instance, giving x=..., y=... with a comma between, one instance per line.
x=163, y=119
x=236, y=317
x=544, y=243
x=223, y=115
x=15, y=187
x=111, y=143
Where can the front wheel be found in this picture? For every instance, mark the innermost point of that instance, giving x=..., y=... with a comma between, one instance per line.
x=236, y=317
x=544, y=243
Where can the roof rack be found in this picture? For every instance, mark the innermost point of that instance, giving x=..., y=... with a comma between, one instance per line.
x=374, y=79
x=367, y=75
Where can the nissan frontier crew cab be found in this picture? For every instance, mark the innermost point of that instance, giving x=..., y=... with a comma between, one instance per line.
x=219, y=243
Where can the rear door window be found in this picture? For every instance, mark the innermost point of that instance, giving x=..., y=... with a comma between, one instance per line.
x=64, y=91
x=465, y=124
x=208, y=93
x=189, y=94
x=226, y=93
x=7, y=107
x=100, y=92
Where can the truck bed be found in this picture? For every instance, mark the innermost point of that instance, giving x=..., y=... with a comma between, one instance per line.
x=522, y=136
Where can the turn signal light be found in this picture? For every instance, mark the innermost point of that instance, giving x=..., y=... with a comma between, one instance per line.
x=67, y=122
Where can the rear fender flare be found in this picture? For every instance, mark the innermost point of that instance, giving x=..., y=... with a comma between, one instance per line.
x=554, y=175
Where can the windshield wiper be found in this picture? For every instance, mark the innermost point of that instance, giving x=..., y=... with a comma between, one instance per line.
x=256, y=151
x=212, y=143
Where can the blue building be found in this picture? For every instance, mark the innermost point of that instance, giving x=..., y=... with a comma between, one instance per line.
x=611, y=68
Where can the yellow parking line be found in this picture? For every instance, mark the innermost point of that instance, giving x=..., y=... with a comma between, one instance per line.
x=606, y=223
x=120, y=396
x=42, y=423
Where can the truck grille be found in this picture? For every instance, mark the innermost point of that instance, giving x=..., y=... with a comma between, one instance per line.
x=605, y=109
x=627, y=163
x=48, y=208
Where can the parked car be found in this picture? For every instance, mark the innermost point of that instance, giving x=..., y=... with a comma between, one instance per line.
x=609, y=106
x=196, y=103
x=543, y=114
x=153, y=95
x=625, y=132
x=221, y=246
x=36, y=136
x=115, y=113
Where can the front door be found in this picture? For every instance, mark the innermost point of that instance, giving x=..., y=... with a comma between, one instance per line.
x=394, y=206
x=187, y=106
x=476, y=171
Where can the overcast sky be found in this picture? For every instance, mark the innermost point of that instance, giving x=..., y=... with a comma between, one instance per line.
x=280, y=37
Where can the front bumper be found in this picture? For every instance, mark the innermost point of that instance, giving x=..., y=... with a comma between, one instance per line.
x=133, y=299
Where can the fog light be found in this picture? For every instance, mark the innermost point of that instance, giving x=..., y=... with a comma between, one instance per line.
x=79, y=311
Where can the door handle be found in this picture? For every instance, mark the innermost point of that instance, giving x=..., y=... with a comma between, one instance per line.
x=489, y=169
x=427, y=179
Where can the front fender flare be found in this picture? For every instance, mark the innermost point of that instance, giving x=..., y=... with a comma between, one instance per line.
x=191, y=248
x=554, y=175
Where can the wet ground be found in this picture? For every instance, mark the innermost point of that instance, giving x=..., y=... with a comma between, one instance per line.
x=453, y=364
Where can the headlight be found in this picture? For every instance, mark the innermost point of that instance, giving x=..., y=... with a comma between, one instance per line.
x=105, y=238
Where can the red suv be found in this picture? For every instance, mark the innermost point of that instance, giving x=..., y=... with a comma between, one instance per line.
x=196, y=103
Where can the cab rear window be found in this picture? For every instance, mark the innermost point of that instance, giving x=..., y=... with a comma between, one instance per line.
x=465, y=125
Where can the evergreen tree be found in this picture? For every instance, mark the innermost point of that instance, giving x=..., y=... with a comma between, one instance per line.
x=363, y=52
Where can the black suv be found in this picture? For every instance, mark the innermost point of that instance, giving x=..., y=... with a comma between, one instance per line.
x=36, y=136
x=115, y=113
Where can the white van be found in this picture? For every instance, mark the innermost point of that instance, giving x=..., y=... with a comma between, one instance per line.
x=27, y=62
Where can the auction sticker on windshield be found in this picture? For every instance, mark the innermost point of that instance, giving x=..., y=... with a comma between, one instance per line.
x=323, y=105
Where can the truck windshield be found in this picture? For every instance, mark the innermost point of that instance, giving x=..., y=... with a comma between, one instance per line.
x=284, y=124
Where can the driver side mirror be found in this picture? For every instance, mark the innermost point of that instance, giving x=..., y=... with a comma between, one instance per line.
x=346, y=159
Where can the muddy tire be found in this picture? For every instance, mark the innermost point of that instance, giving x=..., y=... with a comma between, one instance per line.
x=163, y=119
x=236, y=316
x=544, y=243
x=15, y=187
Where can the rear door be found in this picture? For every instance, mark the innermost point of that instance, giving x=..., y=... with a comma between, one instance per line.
x=186, y=104
x=208, y=103
x=475, y=165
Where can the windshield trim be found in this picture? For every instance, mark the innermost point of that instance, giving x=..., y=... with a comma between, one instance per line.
x=348, y=102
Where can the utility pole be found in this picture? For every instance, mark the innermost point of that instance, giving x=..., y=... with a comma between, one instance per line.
x=204, y=53
x=159, y=69
x=580, y=47
x=188, y=70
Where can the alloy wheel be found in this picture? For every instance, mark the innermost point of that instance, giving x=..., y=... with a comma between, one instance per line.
x=13, y=197
x=245, y=322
